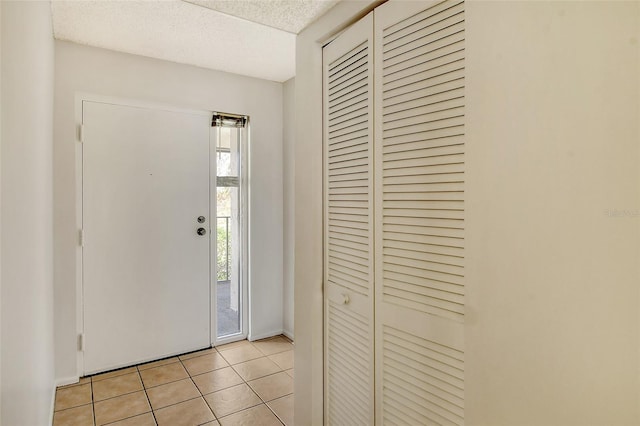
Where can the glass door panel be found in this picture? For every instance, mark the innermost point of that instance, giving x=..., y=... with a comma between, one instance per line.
x=230, y=232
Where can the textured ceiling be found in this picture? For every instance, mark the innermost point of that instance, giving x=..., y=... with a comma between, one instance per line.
x=184, y=32
x=288, y=15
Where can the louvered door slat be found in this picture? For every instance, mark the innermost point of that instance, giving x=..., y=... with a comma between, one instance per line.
x=358, y=126
x=436, y=81
x=348, y=146
x=415, y=22
x=417, y=251
x=340, y=66
x=353, y=79
x=425, y=32
x=437, y=222
x=419, y=212
x=427, y=371
x=362, y=249
x=398, y=288
x=426, y=179
x=429, y=135
x=339, y=250
x=348, y=190
x=346, y=96
x=357, y=110
x=350, y=224
x=406, y=57
x=411, y=75
x=435, y=98
x=350, y=264
x=424, y=264
x=423, y=281
x=348, y=280
x=424, y=151
x=421, y=110
x=347, y=105
x=429, y=125
x=355, y=67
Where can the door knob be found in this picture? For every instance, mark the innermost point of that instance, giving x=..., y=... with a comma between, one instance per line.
x=201, y=219
x=201, y=231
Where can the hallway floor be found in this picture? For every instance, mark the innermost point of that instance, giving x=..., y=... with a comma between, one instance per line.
x=241, y=383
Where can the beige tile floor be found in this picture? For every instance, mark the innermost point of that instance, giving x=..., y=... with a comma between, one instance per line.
x=242, y=383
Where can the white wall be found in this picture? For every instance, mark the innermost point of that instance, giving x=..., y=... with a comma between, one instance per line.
x=27, y=287
x=288, y=172
x=553, y=143
x=553, y=300
x=103, y=72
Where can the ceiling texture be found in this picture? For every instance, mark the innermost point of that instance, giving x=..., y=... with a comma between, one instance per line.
x=255, y=38
x=288, y=15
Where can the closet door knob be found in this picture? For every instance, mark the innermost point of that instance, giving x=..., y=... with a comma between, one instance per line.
x=345, y=299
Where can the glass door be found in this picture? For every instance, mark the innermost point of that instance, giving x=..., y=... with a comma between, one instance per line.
x=230, y=234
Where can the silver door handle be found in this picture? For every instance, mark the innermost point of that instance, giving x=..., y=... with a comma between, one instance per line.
x=201, y=231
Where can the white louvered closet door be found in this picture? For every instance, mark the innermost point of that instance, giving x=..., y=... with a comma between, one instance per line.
x=348, y=257
x=419, y=212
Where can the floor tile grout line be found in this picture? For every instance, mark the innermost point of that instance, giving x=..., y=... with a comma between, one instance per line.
x=121, y=394
x=55, y=403
x=276, y=353
x=274, y=413
x=179, y=402
x=166, y=383
x=181, y=361
x=215, y=416
x=93, y=404
x=74, y=407
x=127, y=418
x=144, y=388
x=263, y=402
x=121, y=372
x=267, y=375
x=126, y=393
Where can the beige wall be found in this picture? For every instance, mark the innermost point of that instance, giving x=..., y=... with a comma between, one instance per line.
x=552, y=279
x=27, y=386
x=552, y=324
x=288, y=164
x=104, y=72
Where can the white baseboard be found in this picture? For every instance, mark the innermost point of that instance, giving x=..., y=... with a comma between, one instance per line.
x=53, y=405
x=67, y=381
x=289, y=334
x=273, y=333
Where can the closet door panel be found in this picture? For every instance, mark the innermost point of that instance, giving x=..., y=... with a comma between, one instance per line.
x=419, y=212
x=348, y=199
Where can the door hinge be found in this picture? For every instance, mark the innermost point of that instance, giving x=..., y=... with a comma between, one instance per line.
x=81, y=238
x=81, y=342
x=81, y=133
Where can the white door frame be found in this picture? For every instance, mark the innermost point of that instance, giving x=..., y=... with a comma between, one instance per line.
x=244, y=243
x=79, y=99
x=309, y=400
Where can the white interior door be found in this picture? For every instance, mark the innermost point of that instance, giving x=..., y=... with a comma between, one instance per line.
x=419, y=193
x=348, y=274
x=146, y=281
